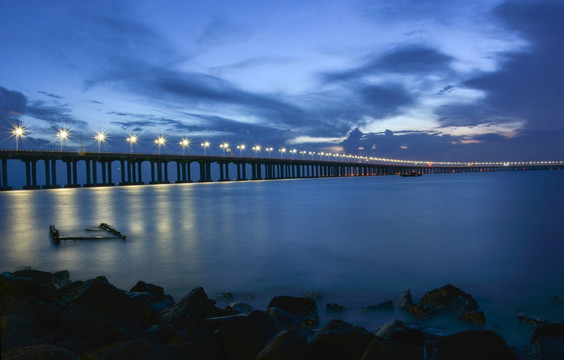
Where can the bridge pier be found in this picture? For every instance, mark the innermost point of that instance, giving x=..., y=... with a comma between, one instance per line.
x=4, y=175
x=205, y=171
x=161, y=174
x=30, y=175
x=223, y=171
x=72, y=181
x=183, y=172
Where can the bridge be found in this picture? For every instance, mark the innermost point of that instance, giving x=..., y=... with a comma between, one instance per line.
x=91, y=169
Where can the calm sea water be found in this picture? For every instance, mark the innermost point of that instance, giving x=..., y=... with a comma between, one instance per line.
x=355, y=241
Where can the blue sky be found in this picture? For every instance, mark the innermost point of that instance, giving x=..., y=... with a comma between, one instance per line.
x=433, y=80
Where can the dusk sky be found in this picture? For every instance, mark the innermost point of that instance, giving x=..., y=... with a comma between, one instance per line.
x=421, y=80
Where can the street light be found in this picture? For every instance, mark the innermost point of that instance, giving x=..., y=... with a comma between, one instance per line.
x=293, y=152
x=205, y=145
x=224, y=147
x=256, y=149
x=282, y=151
x=311, y=153
x=132, y=139
x=241, y=148
x=100, y=138
x=184, y=143
x=269, y=149
x=303, y=152
x=160, y=141
x=18, y=131
x=63, y=134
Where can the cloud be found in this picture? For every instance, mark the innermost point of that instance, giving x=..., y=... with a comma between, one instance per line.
x=56, y=115
x=530, y=83
x=409, y=59
x=220, y=31
x=12, y=105
x=54, y=96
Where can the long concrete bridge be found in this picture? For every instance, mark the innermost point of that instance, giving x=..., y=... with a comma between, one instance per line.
x=96, y=168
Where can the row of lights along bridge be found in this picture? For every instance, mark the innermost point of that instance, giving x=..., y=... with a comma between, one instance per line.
x=63, y=135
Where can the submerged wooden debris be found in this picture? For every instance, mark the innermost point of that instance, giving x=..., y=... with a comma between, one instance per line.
x=56, y=236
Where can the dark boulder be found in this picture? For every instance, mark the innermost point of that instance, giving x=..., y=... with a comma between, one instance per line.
x=43, y=277
x=339, y=340
x=387, y=306
x=106, y=298
x=78, y=346
x=197, y=341
x=303, y=308
x=160, y=333
x=69, y=291
x=334, y=308
x=10, y=305
x=39, y=352
x=61, y=279
x=405, y=300
x=88, y=323
x=283, y=319
x=16, y=331
x=244, y=338
x=239, y=307
x=287, y=345
x=24, y=288
x=155, y=290
x=408, y=335
x=215, y=323
x=472, y=345
x=48, y=318
x=547, y=342
x=192, y=308
x=382, y=349
x=451, y=298
x=476, y=318
x=131, y=349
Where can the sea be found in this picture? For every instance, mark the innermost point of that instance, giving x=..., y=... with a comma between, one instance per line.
x=354, y=241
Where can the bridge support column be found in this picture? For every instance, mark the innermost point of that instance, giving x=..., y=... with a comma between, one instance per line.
x=30, y=175
x=4, y=178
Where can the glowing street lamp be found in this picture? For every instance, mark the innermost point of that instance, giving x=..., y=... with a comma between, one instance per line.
x=293, y=152
x=184, y=143
x=303, y=152
x=205, y=145
x=100, y=138
x=282, y=151
x=63, y=135
x=269, y=149
x=241, y=148
x=160, y=141
x=256, y=149
x=311, y=153
x=18, y=131
x=132, y=139
x=224, y=147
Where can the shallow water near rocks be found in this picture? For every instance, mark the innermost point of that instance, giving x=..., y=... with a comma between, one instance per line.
x=354, y=241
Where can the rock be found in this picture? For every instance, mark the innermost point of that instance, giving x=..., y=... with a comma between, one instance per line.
x=420, y=310
x=225, y=296
x=405, y=300
x=334, y=308
x=450, y=298
x=192, y=308
x=39, y=352
x=474, y=344
x=339, y=340
x=386, y=329
x=382, y=349
x=240, y=307
x=106, y=298
x=409, y=336
x=155, y=290
x=160, y=333
x=23, y=288
x=131, y=349
x=90, y=324
x=48, y=316
x=10, y=305
x=283, y=319
x=244, y=338
x=534, y=320
x=314, y=295
x=476, y=318
x=303, y=308
x=69, y=291
x=385, y=306
x=215, y=323
x=202, y=343
x=16, y=331
x=287, y=345
x=43, y=277
x=61, y=279
x=77, y=345
x=547, y=342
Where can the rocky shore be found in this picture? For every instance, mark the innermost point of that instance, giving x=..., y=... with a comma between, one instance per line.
x=45, y=315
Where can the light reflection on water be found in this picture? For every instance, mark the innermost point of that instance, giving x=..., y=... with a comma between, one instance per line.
x=357, y=241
